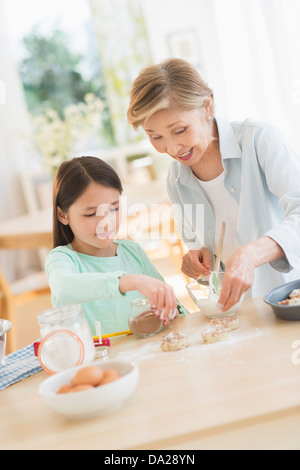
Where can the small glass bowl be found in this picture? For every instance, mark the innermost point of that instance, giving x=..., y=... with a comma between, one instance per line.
x=206, y=296
x=143, y=322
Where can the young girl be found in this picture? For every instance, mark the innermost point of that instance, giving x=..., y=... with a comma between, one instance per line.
x=87, y=265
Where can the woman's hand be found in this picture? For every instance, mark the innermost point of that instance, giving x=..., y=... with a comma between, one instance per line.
x=197, y=262
x=238, y=278
x=160, y=294
x=240, y=268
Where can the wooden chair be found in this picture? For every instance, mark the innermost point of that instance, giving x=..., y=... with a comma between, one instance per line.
x=24, y=299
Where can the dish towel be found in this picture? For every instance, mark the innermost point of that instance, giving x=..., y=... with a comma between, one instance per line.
x=18, y=365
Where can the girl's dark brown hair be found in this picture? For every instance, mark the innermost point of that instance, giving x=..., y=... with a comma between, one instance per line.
x=72, y=179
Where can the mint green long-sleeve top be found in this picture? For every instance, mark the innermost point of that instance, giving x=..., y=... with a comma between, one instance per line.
x=93, y=282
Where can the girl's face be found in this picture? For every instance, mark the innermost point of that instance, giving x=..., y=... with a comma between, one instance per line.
x=185, y=135
x=94, y=219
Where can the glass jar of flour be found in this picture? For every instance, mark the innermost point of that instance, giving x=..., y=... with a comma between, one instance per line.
x=65, y=339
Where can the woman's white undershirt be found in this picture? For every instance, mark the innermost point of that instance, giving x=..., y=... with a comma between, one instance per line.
x=225, y=208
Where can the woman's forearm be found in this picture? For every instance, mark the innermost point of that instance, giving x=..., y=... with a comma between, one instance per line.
x=240, y=268
x=264, y=250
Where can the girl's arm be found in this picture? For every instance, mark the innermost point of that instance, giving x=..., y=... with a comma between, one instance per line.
x=70, y=287
x=160, y=294
x=149, y=269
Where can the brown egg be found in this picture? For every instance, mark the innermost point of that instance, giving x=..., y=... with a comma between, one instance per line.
x=109, y=373
x=90, y=375
x=80, y=388
x=64, y=389
x=107, y=380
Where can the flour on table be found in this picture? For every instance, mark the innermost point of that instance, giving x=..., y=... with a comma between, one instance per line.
x=197, y=348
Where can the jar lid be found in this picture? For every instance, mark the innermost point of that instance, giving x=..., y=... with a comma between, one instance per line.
x=141, y=302
x=60, y=350
x=57, y=315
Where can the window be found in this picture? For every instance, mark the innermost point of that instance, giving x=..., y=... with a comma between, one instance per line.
x=56, y=51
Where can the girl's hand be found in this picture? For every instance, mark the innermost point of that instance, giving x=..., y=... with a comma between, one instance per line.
x=197, y=262
x=160, y=294
x=238, y=278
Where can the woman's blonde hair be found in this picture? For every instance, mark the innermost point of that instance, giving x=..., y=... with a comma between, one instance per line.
x=172, y=83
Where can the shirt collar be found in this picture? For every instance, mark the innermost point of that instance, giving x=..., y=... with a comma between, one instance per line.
x=229, y=146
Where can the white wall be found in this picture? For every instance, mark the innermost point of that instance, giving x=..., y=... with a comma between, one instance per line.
x=168, y=17
x=250, y=53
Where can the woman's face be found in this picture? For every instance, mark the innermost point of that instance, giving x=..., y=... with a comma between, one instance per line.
x=184, y=135
x=94, y=219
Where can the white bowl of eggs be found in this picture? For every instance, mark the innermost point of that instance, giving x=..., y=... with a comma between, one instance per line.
x=88, y=391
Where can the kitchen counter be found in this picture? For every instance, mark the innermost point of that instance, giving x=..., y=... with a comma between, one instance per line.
x=242, y=393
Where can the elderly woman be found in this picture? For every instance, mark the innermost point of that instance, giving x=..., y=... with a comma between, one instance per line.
x=243, y=173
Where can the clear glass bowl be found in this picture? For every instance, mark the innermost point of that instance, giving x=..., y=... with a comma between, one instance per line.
x=143, y=322
x=205, y=294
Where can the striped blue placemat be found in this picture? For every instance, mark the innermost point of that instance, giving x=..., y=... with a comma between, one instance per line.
x=18, y=365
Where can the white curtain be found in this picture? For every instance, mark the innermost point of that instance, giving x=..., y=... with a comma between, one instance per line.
x=259, y=43
x=15, y=145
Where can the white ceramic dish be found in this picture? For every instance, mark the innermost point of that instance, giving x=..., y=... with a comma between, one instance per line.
x=94, y=402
